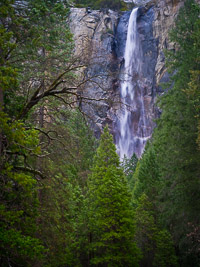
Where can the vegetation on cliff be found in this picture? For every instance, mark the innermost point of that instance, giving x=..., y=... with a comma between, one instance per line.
x=98, y=4
x=65, y=202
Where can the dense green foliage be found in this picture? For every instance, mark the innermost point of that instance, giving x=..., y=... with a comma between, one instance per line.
x=45, y=154
x=169, y=170
x=129, y=167
x=110, y=217
x=176, y=135
x=156, y=243
x=65, y=202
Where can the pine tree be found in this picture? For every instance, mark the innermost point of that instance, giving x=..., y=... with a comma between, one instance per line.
x=129, y=167
x=176, y=136
x=109, y=211
x=156, y=244
x=147, y=175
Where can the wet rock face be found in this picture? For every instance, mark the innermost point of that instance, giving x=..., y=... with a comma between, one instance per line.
x=121, y=34
x=149, y=45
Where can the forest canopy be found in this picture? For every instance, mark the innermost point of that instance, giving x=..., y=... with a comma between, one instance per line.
x=65, y=197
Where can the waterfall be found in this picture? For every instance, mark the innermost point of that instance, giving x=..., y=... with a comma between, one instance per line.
x=132, y=120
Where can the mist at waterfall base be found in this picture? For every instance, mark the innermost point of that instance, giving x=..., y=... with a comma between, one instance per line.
x=132, y=124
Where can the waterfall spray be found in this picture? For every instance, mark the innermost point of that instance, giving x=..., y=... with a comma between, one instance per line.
x=132, y=136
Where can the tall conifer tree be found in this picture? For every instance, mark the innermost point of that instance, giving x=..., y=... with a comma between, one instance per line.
x=176, y=136
x=109, y=211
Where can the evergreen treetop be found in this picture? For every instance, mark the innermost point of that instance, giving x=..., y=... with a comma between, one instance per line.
x=109, y=210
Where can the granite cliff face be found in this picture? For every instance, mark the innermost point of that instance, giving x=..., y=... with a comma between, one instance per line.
x=165, y=14
x=94, y=36
x=100, y=39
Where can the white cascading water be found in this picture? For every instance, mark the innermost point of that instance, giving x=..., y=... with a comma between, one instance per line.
x=132, y=125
